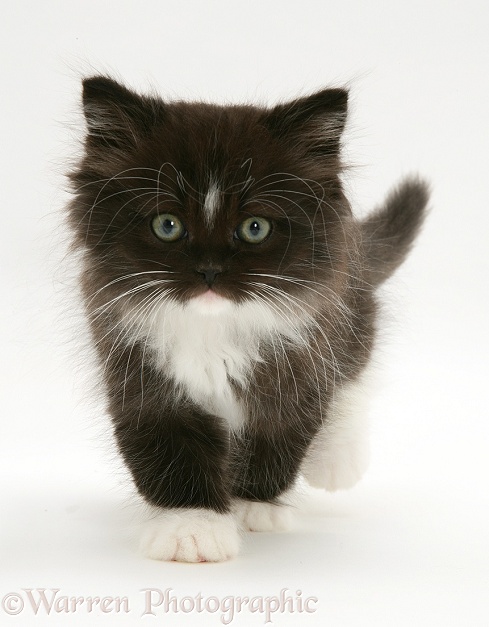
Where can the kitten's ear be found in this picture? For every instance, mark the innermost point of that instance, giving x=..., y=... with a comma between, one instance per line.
x=117, y=117
x=314, y=123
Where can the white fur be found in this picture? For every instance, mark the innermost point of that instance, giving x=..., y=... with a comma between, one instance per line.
x=256, y=516
x=211, y=203
x=191, y=535
x=339, y=454
x=203, y=352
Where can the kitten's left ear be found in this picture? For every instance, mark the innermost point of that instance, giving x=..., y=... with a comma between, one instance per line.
x=314, y=123
x=117, y=117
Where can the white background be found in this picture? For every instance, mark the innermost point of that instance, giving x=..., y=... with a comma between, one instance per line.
x=409, y=545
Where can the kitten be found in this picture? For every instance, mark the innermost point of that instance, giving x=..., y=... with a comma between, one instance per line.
x=231, y=297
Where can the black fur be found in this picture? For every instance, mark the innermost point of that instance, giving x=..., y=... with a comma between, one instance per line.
x=140, y=152
x=389, y=232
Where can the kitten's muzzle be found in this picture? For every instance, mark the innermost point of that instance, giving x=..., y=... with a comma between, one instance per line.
x=209, y=273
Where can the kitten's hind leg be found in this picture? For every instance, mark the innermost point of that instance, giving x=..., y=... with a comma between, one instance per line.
x=265, y=474
x=339, y=454
x=263, y=516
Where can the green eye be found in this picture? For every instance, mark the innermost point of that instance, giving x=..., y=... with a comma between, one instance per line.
x=254, y=230
x=168, y=227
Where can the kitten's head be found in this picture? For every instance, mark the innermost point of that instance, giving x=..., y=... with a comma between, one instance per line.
x=208, y=205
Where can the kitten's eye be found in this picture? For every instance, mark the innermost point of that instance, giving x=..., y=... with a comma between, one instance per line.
x=254, y=230
x=168, y=227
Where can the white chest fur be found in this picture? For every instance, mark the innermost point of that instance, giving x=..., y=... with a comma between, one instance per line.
x=208, y=349
x=203, y=359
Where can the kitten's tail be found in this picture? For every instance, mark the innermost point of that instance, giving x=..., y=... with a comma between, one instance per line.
x=389, y=232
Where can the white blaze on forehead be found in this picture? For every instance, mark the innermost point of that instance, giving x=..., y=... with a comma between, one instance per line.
x=211, y=202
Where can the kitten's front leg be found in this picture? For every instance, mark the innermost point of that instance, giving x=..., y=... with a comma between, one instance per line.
x=191, y=535
x=339, y=454
x=179, y=462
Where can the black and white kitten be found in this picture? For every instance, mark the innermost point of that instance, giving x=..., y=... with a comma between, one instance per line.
x=231, y=296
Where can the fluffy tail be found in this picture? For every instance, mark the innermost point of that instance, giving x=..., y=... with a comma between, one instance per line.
x=389, y=232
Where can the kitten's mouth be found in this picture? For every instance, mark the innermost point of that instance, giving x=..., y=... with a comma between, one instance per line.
x=209, y=302
x=209, y=296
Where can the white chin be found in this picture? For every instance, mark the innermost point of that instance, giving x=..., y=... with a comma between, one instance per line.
x=210, y=303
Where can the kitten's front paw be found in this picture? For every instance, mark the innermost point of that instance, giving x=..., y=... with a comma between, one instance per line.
x=339, y=454
x=260, y=516
x=193, y=535
x=336, y=467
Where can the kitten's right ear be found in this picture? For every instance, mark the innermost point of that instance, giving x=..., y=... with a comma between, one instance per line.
x=116, y=117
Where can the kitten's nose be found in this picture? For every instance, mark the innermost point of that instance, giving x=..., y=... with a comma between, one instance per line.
x=209, y=273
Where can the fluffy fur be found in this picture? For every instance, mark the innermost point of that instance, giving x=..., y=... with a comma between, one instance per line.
x=230, y=365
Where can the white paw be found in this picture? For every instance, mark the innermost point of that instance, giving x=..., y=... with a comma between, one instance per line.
x=259, y=516
x=191, y=535
x=337, y=468
x=339, y=454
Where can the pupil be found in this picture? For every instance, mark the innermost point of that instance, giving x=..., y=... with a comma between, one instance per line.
x=168, y=226
x=254, y=228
